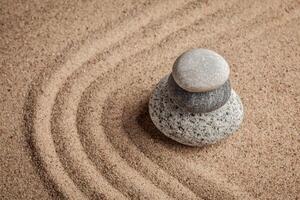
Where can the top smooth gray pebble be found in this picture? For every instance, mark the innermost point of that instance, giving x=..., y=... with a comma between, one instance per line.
x=200, y=70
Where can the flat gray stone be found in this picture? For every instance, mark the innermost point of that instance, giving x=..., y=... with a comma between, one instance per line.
x=200, y=70
x=199, y=102
x=194, y=129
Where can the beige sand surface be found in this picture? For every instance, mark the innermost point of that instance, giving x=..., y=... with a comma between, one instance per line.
x=75, y=78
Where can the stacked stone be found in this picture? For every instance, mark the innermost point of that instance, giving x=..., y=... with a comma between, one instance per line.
x=195, y=105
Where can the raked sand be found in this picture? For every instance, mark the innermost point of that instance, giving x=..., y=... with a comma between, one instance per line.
x=75, y=80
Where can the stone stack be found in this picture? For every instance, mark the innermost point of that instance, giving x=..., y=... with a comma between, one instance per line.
x=195, y=105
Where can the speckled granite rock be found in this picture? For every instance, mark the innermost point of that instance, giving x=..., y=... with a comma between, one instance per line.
x=193, y=129
x=200, y=70
x=199, y=102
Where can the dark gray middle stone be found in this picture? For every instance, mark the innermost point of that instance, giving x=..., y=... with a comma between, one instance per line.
x=199, y=102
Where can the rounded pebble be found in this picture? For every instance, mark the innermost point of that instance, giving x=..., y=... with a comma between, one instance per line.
x=200, y=70
x=194, y=129
x=199, y=102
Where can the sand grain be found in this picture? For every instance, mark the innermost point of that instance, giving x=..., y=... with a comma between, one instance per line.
x=78, y=97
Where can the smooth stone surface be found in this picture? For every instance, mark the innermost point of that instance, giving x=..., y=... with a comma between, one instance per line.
x=199, y=102
x=194, y=129
x=200, y=70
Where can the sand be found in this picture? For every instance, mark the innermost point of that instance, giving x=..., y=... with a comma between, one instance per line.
x=75, y=80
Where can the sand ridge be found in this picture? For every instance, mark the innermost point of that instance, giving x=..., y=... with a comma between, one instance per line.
x=87, y=117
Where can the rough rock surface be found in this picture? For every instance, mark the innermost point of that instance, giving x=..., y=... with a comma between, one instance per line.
x=194, y=129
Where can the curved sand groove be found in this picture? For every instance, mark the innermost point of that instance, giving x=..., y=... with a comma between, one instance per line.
x=94, y=118
x=100, y=150
x=87, y=172
x=75, y=57
x=65, y=135
x=59, y=80
x=69, y=147
x=202, y=179
x=44, y=96
x=159, y=30
x=118, y=137
x=129, y=50
x=190, y=14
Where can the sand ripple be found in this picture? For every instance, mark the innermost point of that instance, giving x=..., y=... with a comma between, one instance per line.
x=93, y=137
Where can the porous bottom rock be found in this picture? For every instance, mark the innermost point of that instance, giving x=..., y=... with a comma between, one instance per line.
x=194, y=129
